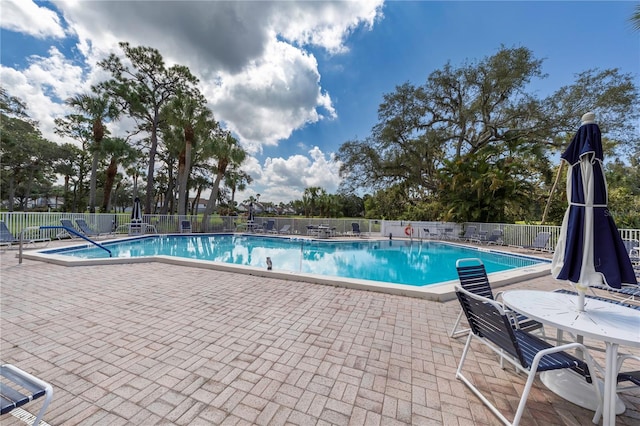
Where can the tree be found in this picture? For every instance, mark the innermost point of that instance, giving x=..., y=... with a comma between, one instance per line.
x=635, y=18
x=142, y=91
x=96, y=107
x=310, y=199
x=121, y=154
x=226, y=152
x=78, y=128
x=236, y=179
x=27, y=159
x=469, y=114
x=72, y=168
x=187, y=120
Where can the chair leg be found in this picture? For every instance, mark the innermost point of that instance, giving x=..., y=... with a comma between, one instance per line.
x=523, y=398
x=47, y=400
x=472, y=387
x=454, y=331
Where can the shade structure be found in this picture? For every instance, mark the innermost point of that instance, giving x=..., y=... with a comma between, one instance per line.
x=590, y=250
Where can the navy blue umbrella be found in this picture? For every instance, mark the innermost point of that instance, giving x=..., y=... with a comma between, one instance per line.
x=590, y=250
x=250, y=218
x=136, y=213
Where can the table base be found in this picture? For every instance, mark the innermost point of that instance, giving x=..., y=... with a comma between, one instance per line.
x=574, y=388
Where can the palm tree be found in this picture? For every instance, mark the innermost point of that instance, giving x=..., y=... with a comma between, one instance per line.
x=310, y=199
x=236, y=179
x=188, y=119
x=97, y=108
x=635, y=18
x=121, y=153
x=226, y=150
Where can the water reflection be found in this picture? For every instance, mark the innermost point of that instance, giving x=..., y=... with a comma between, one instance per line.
x=394, y=261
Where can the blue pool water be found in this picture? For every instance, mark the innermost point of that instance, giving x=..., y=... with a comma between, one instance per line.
x=416, y=263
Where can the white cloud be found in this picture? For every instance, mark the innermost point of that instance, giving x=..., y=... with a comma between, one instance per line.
x=326, y=24
x=251, y=58
x=271, y=97
x=28, y=18
x=285, y=179
x=44, y=85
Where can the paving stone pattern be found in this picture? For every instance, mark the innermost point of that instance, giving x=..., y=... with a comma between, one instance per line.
x=156, y=344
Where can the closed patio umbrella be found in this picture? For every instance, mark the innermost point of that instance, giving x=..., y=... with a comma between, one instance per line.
x=590, y=250
x=135, y=227
x=136, y=213
x=250, y=218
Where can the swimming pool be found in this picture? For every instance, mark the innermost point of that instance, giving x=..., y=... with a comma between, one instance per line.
x=400, y=263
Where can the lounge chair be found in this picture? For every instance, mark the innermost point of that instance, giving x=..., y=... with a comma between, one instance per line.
x=491, y=325
x=6, y=237
x=540, y=242
x=481, y=237
x=269, y=226
x=185, y=227
x=19, y=388
x=471, y=233
x=626, y=292
x=355, y=228
x=284, y=229
x=495, y=237
x=604, y=299
x=473, y=277
x=68, y=224
x=86, y=229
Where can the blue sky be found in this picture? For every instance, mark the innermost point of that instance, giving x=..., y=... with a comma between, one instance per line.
x=298, y=79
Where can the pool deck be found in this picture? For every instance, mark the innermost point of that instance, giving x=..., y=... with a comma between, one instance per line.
x=439, y=292
x=155, y=343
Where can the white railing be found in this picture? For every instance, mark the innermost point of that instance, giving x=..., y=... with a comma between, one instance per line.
x=167, y=224
x=514, y=234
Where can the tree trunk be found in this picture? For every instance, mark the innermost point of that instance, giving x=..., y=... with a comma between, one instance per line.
x=92, y=183
x=184, y=169
x=27, y=195
x=112, y=170
x=153, y=149
x=12, y=192
x=196, y=201
x=182, y=203
x=98, y=134
x=211, y=204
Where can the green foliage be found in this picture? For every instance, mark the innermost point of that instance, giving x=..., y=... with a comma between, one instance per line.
x=624, y=191
x=474, y=141
x=142, y=90
x=28, y=161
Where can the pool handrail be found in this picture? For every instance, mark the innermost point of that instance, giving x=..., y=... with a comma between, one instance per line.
x=71, y=231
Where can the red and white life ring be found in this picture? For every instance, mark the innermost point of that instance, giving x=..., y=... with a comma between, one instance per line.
x=408, y=230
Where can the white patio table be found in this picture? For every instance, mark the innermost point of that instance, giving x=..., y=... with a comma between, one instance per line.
x=610, y=323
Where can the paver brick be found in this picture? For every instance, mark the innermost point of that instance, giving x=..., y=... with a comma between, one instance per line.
x=167, y=344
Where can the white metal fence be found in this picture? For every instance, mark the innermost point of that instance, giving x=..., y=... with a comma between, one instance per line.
x=514, y=234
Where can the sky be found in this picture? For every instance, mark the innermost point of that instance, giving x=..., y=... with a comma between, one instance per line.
x=294, y=80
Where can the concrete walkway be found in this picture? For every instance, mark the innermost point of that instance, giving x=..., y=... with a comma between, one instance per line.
x=153, y=343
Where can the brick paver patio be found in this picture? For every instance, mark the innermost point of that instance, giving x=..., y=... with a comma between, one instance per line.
x=147, y=344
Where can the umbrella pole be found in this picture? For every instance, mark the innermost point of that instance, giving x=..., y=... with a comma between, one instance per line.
x=581, y=295
x=553, y=189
